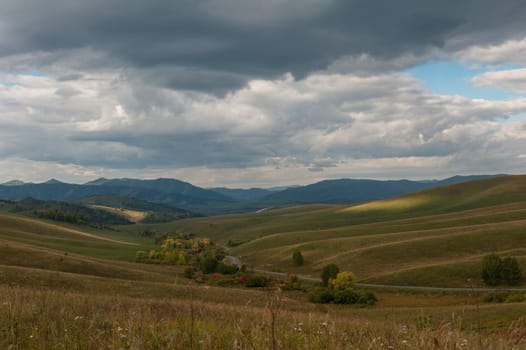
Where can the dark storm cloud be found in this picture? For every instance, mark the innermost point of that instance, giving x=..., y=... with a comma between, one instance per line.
x=228, y=42
x=193, y=85
x=69, y=77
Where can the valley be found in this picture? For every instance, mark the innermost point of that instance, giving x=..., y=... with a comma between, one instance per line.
x=58, y=276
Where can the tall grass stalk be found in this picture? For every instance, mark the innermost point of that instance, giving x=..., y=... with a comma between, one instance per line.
x=45, y=319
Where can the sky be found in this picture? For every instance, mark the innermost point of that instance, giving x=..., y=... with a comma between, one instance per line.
x=249, y=93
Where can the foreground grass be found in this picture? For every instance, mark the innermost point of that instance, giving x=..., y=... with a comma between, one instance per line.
x=47, y=319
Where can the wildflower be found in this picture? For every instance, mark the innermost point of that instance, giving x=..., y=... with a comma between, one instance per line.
x=463, y=343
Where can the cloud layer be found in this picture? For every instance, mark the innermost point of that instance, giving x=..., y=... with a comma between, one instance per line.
x=255, y=93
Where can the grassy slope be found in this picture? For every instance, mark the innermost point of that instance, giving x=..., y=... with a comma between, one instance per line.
x=94, y=297
x=131, y=215
x=433, y=237
x=70, y=238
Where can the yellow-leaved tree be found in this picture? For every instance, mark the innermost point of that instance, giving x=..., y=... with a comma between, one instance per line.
x=342, y=281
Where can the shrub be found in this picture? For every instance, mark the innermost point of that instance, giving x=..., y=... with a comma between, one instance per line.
x=367, y=298
x=257, y=282
x=346, y=296
x=198, y=276
x=297, y=258
x=496, y=270
x=226, y=281
x=141, y=256
x=342, y=296
x=189, y=272
x=226, y=269
x=292, y=282
x=243, y=278
x=232, y=243
x=515, y=298
x=510, y=271
x=494, y=297
x=209, y=265
x=328, y=272
x=491, y=269
x=321, y=295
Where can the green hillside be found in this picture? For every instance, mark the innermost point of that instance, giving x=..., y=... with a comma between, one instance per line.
x=79, y=287
x=69, y=238
x=445, y=231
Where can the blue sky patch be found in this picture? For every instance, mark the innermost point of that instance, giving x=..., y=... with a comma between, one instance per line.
x=35, y=73
x=516, y=117
x=452, y=78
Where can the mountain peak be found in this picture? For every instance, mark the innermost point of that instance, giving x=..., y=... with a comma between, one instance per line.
x=99, y=181
x=53, y=182
x=13, y=183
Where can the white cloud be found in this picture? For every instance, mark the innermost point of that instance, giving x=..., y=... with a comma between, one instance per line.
x=270, y=132
x=512, y=79
x=510, y=51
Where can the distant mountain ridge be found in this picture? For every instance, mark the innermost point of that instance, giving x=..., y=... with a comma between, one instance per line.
x=169, y=192
x=184, y=195
x=240, y=194
x=13, y=183
x=359, y=190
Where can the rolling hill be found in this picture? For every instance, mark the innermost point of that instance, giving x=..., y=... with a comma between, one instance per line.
x=434, y=237
x=79, y=287
x=64, y=211
x=140, y=210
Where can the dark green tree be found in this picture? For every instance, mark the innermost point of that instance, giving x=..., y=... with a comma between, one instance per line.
x=297, y=257
x=491, y=269
x=328, y=272
x=209, y=264
x=510, y=271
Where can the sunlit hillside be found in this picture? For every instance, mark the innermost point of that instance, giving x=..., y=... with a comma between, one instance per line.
x=434, y=237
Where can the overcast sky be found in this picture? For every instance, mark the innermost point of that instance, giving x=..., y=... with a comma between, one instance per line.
x=244, y=93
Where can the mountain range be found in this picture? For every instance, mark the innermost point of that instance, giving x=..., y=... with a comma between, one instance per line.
x=184, y=195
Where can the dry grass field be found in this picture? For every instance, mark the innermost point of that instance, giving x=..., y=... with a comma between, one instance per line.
x=71, y=287
x=131, y=215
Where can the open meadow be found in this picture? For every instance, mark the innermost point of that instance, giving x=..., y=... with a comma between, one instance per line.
x=74, y=287
x=430, y=238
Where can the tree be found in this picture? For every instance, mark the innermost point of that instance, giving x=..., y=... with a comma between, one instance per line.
x=297, y=257
x=209, y=264
x=328, y=272
x=510, y=271
x=342, y=281
x=292, y=282
x=492, y=269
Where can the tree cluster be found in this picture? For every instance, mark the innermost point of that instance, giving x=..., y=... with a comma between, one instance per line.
x=338, y=288
x=497, y=270
x=182, y=249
